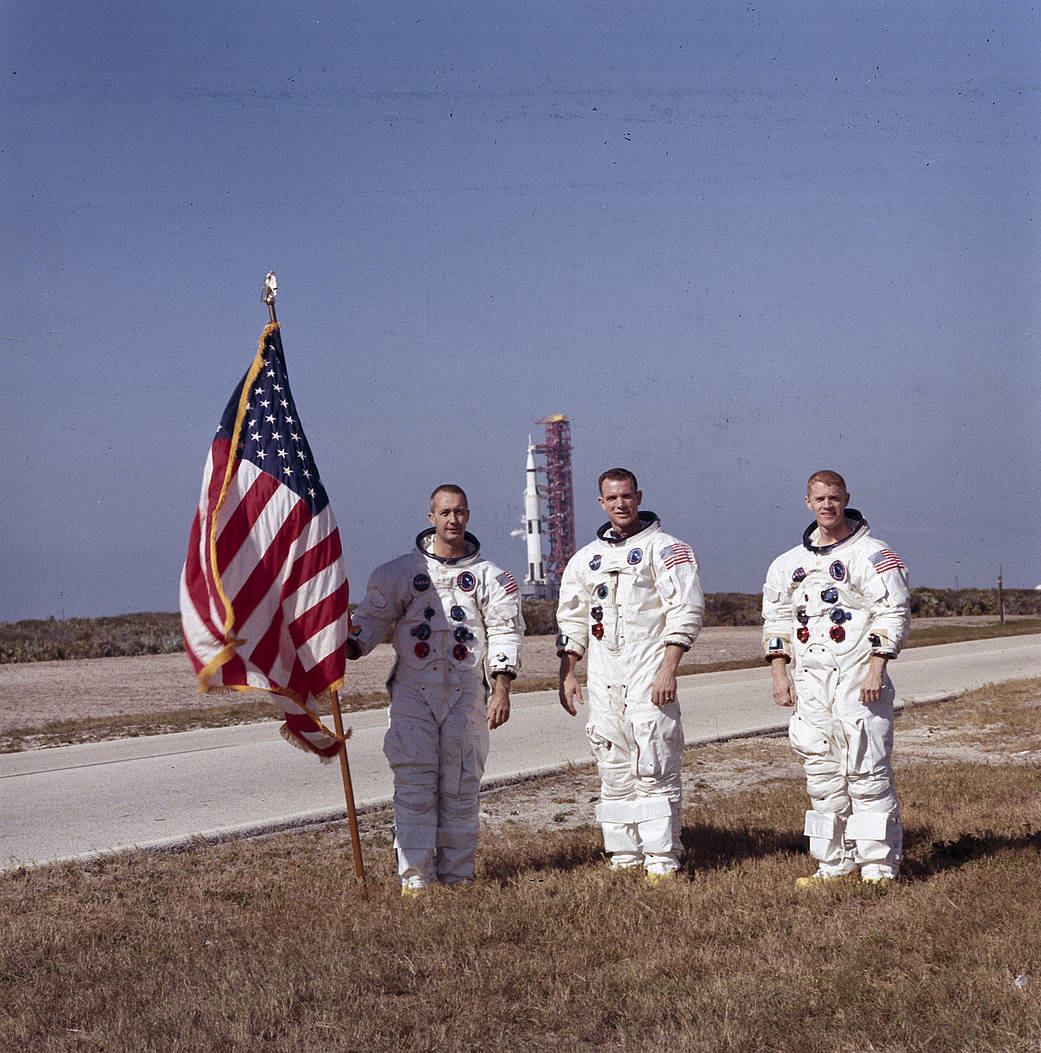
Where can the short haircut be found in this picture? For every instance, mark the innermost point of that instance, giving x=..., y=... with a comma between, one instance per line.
x=618, y=474
x=448, y=488
x=828, y=478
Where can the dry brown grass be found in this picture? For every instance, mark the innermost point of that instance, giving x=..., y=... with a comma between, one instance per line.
x=269, y=945
x=243, y=709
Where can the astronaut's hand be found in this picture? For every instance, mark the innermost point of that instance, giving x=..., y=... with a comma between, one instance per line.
x=663, y=690
x=571, y=692
x=871, y=688
x=784, y=692
x=353, y=649
x=499, y=703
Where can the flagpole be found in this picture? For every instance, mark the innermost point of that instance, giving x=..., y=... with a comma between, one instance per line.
x=268, y=294
x=348, y=789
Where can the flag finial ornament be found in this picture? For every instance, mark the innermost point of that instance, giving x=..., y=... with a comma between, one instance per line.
x=270, y=290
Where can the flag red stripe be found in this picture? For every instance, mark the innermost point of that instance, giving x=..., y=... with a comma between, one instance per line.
x=231, y=674
x=219, y=454
x=298, y=682
x=270, y=565
x=195, y=583
x=264, y=655
x=316, y=559
x=327, y=671
x=266, y=651
x=304, y=728
x=237, y=527
x=198, y=572
x=316, y=618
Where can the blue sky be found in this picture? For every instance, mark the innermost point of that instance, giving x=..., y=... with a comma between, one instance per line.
x=733, y=242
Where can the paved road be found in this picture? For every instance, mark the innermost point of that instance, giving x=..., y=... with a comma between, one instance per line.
x=76, y=801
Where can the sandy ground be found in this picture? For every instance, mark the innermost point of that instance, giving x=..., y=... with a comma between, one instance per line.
x=35, y=693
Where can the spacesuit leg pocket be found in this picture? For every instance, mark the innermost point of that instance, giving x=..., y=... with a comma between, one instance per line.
x=807, y=740
x=821, y=761
x=616, y=812
x=410, y=747
x=870, y=739
x=410, y=744
x=658, y=738
x=613, y=759
x=472, y=754
x=461, y=768
x=650, y=750
x=659, y=745
x=451, y=767
x=462, y=765
x=875, y=823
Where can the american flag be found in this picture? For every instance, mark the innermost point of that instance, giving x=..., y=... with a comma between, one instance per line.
x=676, y=554
x=264, y=590
x=505, y=579
x=884, y=560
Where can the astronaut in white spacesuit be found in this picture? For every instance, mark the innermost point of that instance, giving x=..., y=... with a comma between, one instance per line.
x=457, y=623
x=838, y=608
x=633, y=601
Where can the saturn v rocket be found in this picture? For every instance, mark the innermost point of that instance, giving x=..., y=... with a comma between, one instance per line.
x=534, y=585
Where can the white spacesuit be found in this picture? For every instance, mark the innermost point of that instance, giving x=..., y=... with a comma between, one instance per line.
x=457, y=623
x=828, y=610
x=622, y=600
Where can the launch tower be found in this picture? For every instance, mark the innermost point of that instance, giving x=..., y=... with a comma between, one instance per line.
x=560, y=498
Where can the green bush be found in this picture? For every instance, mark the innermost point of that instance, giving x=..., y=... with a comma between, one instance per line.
x=540, y=617
x=949, y=603
x=119, y=636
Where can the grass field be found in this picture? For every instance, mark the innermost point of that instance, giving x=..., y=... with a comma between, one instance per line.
x=271, y=945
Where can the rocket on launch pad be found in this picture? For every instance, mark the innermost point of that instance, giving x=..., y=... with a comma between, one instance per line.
x=542, y=580
x=534, y=585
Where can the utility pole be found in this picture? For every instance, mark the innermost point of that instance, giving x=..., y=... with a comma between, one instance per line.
x=1001, y=597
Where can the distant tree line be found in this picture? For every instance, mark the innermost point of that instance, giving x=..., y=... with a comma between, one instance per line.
x=126, y=635
x=123, y=635
x=742, y=608
x=950, y=603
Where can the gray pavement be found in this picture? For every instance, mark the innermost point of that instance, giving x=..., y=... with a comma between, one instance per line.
x=76, y=802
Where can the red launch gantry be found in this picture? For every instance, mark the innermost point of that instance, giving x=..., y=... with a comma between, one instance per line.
x=560, y=499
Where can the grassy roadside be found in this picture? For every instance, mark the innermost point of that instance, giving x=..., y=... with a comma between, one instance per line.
x=249, y=709
x=269, y=945
x=928, y=635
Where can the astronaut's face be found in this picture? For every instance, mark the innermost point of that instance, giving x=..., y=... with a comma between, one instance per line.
x=828, y=503
x=450, y=516
x=622, y=505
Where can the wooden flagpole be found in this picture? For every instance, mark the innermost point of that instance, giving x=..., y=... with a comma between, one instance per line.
x=268, y=296
x=348, y=789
